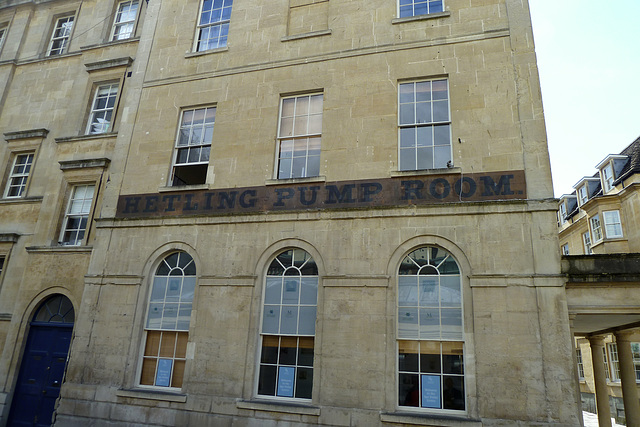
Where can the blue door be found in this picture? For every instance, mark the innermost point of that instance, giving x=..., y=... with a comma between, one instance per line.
x=43, y=364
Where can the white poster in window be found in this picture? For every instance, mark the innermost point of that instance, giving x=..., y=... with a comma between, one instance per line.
x=286, y=376
x=431, y=391
x=163, y=375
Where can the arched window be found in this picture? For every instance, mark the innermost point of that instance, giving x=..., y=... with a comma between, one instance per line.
x=167, y=322
x=289, y=326
x=57, y=309
x=430, y=333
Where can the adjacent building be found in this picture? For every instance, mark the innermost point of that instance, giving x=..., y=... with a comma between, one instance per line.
x=599, y=231
x=333, y=212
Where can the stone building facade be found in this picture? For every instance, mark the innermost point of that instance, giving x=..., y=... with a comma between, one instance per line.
x=599, y=237
x=258, y=212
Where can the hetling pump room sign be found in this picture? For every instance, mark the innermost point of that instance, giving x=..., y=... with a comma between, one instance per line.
x=388, y=192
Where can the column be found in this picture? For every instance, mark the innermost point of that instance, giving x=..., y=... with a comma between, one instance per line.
x=602, y=394
x=628, y=378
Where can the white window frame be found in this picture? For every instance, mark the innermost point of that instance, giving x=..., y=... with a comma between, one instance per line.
x=421, y=153
x=565, y=249
x=277, y=301
x=210, y=20
x=97, y=123
x=612, y=224
x=19, y=179
x=586, y=241
x=181, y=302
x=303, y=136
x=123, y=9
x=195, y=138
x=435, y=264
x=4, y=29
x=583, y=195
x=605, y=358
x=596, y=229
x=607, y=177
x=562, y=213
x=78, y=209
x=635, y=354
x=580, y=364
x=65, y=38
x=614, y=362
x=430, y=7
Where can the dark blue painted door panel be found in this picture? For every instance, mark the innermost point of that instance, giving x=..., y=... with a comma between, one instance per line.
x=40, y=375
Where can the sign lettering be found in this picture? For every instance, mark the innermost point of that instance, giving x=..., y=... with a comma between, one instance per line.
x=389, y=192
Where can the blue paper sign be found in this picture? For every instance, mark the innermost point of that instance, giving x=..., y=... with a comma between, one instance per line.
x=431, y=391
x=286, y=375
x=163, y=375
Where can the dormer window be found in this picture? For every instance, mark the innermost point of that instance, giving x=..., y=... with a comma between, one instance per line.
x=611, y=168
x=607, y=178
x=562, y=213
x=583, y=195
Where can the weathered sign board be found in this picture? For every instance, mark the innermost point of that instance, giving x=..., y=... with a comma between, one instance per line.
x=388, y=192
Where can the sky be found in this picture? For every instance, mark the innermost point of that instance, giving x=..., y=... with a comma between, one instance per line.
x=589, y=63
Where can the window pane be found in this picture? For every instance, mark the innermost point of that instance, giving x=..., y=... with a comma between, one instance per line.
x=425, y=158
x=407, y=137
x=441, y=111
x=188, y=289
x=452, y=358
x=408, y=356
x=309, y=294
x=288, y=351
x=406, y=93
x=305, y=352
x=407, y=114
x=408, y=390
x=423, y=112
x=152, y=346
x=170, y=316
x=452, y=323
x=429, y=323
x=453, y=393
x=154, y=319
x=307, y=321
x=267, y=380
x=271, y=319
x=450, y=295
x=289, y=320
x=184, y=316
x=159, y=289
x=429, y=291
x=273, y=290
x=407, y=291
x=270, y=346
x=408, y=322
x=304, y=383
x=291, y=294
x=407, y=159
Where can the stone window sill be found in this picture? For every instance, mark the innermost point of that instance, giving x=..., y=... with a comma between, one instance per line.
x=439, y=171
x=421, y=17
x=153, y=395
x=86, y=137
x=10, y=200
x=306, y=35
x=169, y=189
x=61, y=249
x=428, y=420
x=295, y=180
x=206, y=52
x=268, y=406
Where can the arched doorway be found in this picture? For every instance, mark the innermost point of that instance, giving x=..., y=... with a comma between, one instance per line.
x=43, y=363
